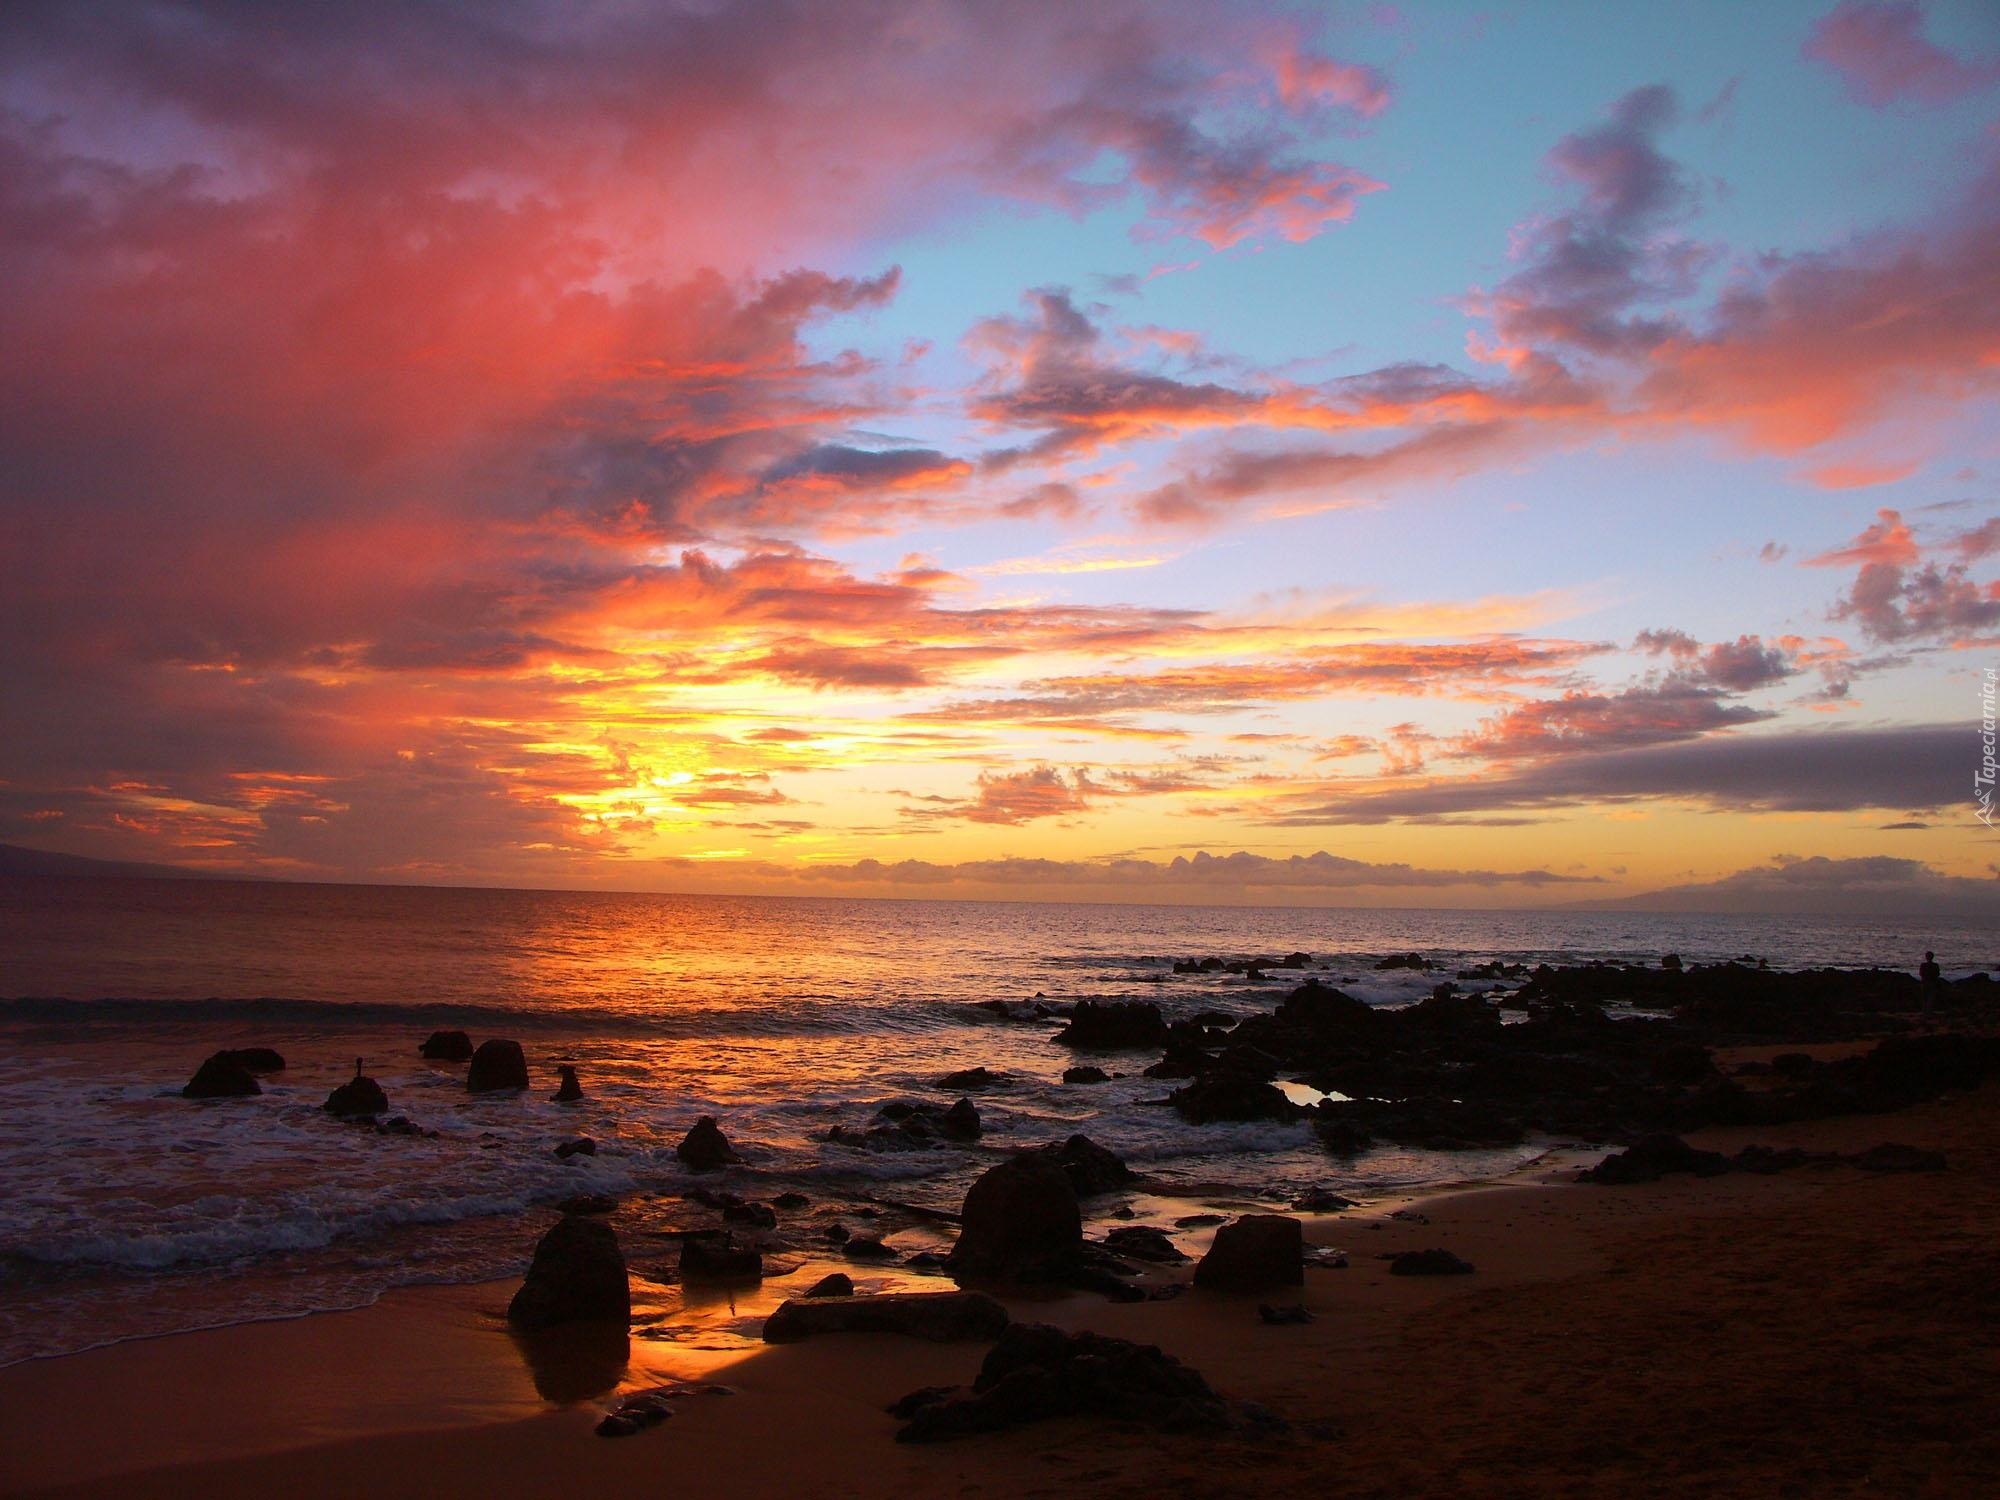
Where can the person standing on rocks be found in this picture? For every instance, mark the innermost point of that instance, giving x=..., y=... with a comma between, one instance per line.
x=1930, y=980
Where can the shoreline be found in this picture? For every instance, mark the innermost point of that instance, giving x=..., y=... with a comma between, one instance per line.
x=424, y=1392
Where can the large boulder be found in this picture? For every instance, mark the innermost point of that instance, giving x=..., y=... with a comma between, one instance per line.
x=569, y=1091
x=1090, y=1168
x=1321, y=1008
x=1109, y=1025
x=357, y=1098
x=219, y=1078
x=1254, y=1254
x=941, y=1317
x=1230, y=1095
x=1141, y=1242
x=1035, y=1371
x=705, y=1148
x=1654, y=1157
x=578, y=1275
x=498, y=1064
x=446, y=1046
x=1020, y=1221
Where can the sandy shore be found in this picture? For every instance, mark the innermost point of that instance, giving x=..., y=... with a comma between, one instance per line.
x=1827, y=1332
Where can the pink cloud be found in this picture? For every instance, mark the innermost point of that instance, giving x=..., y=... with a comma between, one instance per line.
x=1879, y=49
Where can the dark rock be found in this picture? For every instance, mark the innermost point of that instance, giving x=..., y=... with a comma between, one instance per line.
x=912, y=1125
x=972, y=1080
x=578, y=1275
x=498, y=1064
x=637, y=1412
x=1091, y=1169
x=446, y=1046
x=1428, y=1263
x=1088, y=1073
x=714, y=1255
x=866, y=1247
x=1253, y=1254
x=1404, y=961
x=756, y=1215
x=918, y=1399
x=1230, y=1096
x=961, y=1121
x=1111, y=1025
x=402, y=1125
x=1035, y=1371
x=570, y=1090
x=1652, y=1158
x=1792, y=1064
x=791, y=1200
x=1020, y=1221
x=1892, y=1156
x=356, y=1098
x=218, y=1078
x=1199, y=1221
x=705, y=1148
x=1671, y=963
x=582, y=1145
x=941, y=1317
x=1142, y=1243
x=923, y=1260
x=1320, y=1200
x=839, y=1284
x=587, y=1203
x=1284, y=1312
x=1341, y=1135
x=1319, y=1008
x=253, y=1059
x=838, y=1234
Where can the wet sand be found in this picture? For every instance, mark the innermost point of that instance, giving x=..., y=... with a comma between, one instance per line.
x=1827, y=1332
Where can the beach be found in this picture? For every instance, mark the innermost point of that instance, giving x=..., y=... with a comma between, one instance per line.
x=1827, y=1331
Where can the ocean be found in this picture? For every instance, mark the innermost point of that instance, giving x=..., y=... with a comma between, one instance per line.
x=127, y=1211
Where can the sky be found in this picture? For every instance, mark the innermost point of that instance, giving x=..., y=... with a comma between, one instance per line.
x=1375, y=454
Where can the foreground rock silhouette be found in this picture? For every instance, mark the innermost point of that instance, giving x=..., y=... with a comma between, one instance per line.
x=446, y=1046
x=358, y=1098
x=578, y=1275
x=498, y=1064
x=1020, y=1222
x=705, y=1148
x=219, y=1078
x=1254, y=1254
x=1036, y=1372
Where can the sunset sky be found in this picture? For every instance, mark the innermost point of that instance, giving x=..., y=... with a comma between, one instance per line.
x=1406, y=454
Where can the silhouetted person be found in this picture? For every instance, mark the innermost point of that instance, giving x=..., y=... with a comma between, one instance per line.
x=571, y=1090
x=357, y=1067
x=1930, y=979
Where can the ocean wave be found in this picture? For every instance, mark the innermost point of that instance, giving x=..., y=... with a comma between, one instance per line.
x=794, y=1015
